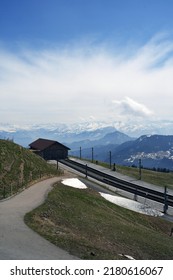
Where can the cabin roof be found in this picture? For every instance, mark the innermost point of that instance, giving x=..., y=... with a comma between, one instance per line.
x=42, y=144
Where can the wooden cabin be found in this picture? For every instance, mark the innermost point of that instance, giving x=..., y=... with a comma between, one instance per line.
x=49, y=149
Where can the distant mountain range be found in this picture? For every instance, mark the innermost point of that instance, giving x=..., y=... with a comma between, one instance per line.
x=76, y=132
x=101, y=147
x=61, y=133
x=155, y=150
x=113, y=138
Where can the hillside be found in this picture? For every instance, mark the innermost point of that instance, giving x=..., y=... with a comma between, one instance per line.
x=19, y=167
x=95, y=228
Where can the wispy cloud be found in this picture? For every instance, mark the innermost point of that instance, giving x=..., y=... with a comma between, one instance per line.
x=74, y=82
x=128, y=107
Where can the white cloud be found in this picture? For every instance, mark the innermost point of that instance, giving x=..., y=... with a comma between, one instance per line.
x=66, y=85
x=130, y=107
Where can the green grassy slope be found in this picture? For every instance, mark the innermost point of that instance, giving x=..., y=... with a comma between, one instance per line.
x=154, y=177
x=19, y=167
x=88, y=226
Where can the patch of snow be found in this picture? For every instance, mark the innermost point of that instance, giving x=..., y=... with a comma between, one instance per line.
x=132, y=205
x=75, y=183
x=127, y=257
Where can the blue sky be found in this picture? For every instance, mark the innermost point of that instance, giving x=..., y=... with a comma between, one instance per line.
x=59, y=21
x=74, y=60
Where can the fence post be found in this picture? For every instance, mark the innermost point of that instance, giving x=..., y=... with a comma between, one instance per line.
x=4, y=192
x=140, y=166
x=86, y=170
x=165, y=207
x=80, y=152
x=114, y=168
x=110, y=159
x=135, y=195
x=92, y=150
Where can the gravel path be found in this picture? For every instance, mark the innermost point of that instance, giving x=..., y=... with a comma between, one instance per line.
x=17, y=241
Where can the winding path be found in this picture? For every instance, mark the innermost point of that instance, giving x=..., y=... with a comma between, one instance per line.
x=19, y=242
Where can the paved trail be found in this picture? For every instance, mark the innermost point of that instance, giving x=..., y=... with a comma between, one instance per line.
x=17, y=241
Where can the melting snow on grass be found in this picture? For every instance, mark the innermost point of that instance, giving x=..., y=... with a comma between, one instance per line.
x=132, y=205
x=75, y=183
x=121, y=201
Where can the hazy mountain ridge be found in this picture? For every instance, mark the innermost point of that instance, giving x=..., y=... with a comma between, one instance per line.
x=155, y=150
x=67, y=131
x=59, y=132
x=113, y=138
